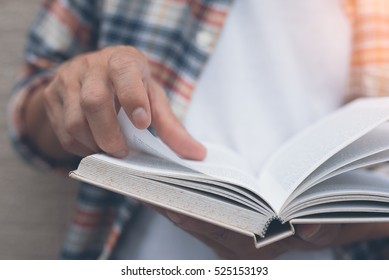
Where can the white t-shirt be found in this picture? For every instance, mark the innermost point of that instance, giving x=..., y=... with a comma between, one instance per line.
x=278, y=66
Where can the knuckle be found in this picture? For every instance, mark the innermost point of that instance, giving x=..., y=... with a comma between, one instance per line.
x=84, y=61
x=75, y=126
x=93, y=99
x=78, y=62
x=120, y=64
x=65, y=80
x=47, y=94
x=50, y=95
x=62, y=75
x=125, y=60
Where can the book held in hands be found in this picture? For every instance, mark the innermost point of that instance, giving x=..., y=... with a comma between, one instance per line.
x=324, y=174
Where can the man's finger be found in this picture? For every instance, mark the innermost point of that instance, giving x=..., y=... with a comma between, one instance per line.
x=128, y=73
x=169, y=128
x=55, y=114
x=74, y=120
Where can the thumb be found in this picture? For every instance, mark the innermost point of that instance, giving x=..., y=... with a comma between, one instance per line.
x=169, y=128
x=319, y=234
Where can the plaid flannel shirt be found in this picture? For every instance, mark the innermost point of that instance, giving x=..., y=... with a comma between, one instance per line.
x=177, y=36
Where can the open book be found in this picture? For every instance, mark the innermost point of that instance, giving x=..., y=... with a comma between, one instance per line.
x=324, y=174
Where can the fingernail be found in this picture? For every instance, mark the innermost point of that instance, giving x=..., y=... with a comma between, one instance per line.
x=140, y=118
x=307, y=232
x=174, y=217
x=121, y=153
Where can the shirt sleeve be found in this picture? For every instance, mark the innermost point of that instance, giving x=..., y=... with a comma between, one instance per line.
x=61, y=30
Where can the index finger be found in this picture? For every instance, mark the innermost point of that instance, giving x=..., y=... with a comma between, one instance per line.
x=128, y=71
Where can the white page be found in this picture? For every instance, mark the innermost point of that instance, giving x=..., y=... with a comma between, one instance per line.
x=142, y=163
x=372, y=160
x=143, y=140
x=347, y=186
x=349, y=158
x=343, y=207
x=305, y=152
x=156, y=168
x=210, y=187
x=219, y=164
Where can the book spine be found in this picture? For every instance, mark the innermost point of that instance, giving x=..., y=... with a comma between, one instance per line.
x=266, y=226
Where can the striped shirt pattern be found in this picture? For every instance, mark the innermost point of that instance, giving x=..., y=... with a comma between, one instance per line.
x=177, y=37
x=370, y=55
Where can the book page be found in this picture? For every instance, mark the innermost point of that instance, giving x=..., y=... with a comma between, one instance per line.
x=305, y=152
x=359, y=185
x=368, y=161
x=224, y=165
x=220, y=163
x=143, y=140
x=346, y=208
x=215, y=210
x=370, y=149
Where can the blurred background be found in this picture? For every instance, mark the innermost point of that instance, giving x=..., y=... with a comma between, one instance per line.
x=35, y=207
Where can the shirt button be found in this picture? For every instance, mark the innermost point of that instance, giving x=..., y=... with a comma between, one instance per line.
x=204, y=39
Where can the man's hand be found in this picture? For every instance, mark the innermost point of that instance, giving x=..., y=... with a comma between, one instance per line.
x=232, y=245
x=82, y=101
